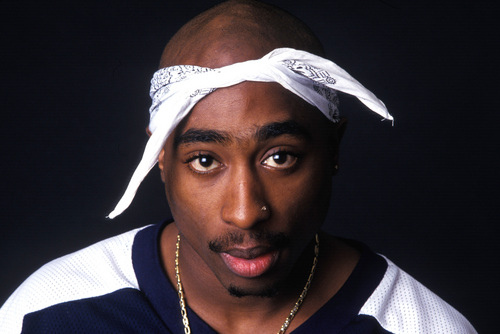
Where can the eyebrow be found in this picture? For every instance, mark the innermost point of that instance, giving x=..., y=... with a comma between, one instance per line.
x=202, y=136
x=263, y=133
x=276, y=129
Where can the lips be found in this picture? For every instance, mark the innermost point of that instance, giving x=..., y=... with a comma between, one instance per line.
x=250, y=263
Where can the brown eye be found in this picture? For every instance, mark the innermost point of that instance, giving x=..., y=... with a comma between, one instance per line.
x=280, y=160
x=203, y=163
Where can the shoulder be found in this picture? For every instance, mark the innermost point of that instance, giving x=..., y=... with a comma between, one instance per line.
x=403, y=305
x=93, y=271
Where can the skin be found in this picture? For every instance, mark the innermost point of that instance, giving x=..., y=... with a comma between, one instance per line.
x=215, y=38
x=240, y=148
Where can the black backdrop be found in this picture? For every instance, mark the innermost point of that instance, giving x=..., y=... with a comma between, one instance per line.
x=74, y=100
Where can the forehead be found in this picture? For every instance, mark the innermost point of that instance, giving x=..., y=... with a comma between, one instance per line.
x=250, y=105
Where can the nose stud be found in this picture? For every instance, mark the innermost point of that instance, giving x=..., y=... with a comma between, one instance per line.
x=264, y=208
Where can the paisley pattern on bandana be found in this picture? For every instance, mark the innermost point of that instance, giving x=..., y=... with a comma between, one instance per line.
x=204, y=91
x=173, y=74
x=163, y=78
x=316, y=74
x=333, y=100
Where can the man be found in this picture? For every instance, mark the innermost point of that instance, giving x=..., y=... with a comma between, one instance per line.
x=245, y=129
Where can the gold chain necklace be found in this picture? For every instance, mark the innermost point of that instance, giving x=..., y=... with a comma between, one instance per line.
x=288, y=320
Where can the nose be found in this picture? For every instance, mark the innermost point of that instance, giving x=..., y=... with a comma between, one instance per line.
x=244, y=203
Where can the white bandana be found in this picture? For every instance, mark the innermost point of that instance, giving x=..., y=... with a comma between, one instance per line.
x=176, y=90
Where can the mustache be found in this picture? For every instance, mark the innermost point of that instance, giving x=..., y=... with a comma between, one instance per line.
x=223, y=243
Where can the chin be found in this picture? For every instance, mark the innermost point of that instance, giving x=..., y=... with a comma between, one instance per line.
x=267, y=286
x=264, y=292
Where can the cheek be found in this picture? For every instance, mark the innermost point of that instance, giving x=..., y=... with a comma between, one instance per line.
x=303, y=201
x=193, y=207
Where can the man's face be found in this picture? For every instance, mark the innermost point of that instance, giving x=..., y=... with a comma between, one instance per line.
x=243, y=148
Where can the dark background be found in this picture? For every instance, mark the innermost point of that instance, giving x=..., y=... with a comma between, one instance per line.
x=74, y=101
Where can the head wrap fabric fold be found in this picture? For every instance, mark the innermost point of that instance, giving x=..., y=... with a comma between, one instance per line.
x=175, y=91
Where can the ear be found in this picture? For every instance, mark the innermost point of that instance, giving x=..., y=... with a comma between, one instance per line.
x=161, y=164
x=339, y=130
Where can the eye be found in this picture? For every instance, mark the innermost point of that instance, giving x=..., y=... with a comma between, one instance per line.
x=280, y=160
x=203, y=163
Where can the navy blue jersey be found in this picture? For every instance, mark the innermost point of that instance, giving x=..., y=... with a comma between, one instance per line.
x=119, y=286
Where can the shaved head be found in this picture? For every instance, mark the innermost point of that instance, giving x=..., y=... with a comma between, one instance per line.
x=235, y=31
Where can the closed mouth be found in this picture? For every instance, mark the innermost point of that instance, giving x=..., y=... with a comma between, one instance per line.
x=250, y=263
